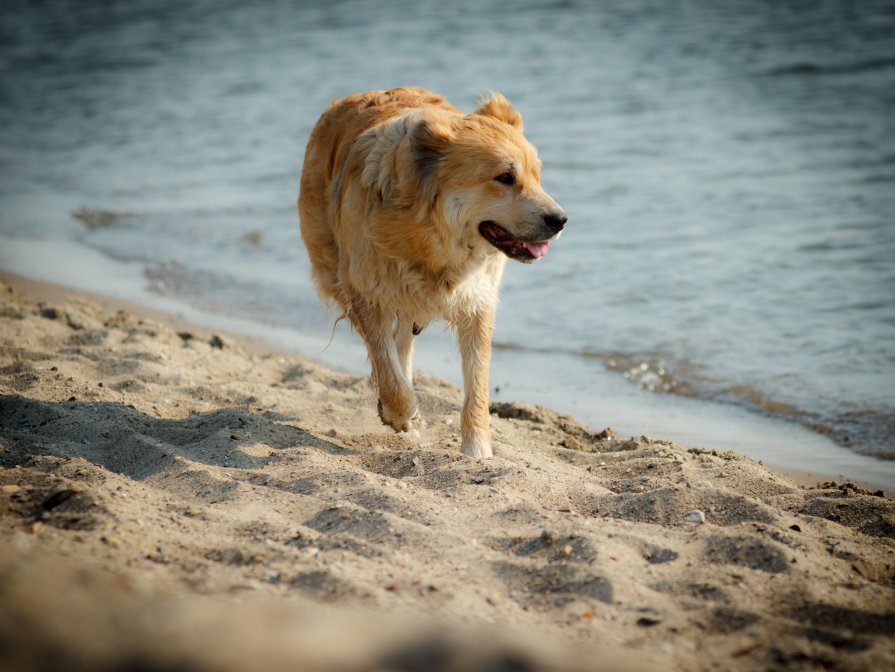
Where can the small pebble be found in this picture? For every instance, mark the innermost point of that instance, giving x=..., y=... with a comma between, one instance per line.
x=866, y=570
x=695, y=516
x=647, y=622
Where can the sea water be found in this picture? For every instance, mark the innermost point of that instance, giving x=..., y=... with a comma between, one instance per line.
x=728, y=170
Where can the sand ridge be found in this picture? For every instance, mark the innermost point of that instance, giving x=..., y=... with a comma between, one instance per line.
x=165, y=484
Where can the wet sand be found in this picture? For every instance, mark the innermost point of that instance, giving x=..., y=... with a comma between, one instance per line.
x=176, y=499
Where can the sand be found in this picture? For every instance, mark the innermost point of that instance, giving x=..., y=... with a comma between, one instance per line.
x=172, y=499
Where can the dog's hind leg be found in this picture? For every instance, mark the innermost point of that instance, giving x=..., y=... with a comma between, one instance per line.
x=397, y=401
x=474, y=336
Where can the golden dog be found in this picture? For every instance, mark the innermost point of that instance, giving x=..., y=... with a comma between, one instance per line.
x=409, y=209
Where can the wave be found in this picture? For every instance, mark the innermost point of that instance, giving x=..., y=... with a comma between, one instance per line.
x=811, y=69
x=869, y=431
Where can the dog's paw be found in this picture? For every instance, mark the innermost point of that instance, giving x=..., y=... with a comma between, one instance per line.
x=476, y=446
x=400, y=422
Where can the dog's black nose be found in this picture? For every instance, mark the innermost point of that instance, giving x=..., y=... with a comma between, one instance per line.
x=555, y=221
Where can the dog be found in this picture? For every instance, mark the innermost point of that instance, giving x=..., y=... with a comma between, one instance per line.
x=409, y=210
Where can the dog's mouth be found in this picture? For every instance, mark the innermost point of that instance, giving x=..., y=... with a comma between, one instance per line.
x=525, y=251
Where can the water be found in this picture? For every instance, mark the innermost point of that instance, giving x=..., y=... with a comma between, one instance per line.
x=728, y=170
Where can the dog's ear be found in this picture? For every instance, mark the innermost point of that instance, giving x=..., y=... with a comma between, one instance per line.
x=501, y=109
x=428, y=141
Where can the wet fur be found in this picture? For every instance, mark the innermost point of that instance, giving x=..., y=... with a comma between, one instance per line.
x=394, y=187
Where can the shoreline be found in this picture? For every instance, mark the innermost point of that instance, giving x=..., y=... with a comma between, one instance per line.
x=257, y=344
x=247, y=508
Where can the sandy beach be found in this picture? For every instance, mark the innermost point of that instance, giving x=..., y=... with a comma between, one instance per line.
x=174, y=499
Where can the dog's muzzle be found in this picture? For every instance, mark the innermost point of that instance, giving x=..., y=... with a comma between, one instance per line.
x=521, y=249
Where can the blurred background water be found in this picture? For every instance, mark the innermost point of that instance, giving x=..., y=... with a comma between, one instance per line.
x=728, y=170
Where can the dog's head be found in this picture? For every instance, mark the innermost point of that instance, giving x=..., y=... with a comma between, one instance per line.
x=482, y=179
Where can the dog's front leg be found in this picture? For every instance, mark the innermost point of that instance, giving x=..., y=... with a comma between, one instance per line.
x=474, y=336
x=404, y=334
x=397, y=402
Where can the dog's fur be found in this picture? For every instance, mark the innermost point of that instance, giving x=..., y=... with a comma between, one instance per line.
x=409, y=209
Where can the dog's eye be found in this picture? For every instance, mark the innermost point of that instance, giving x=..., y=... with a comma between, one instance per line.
x=507, y=178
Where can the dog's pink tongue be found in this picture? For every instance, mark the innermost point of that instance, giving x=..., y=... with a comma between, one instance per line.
x=537, y=250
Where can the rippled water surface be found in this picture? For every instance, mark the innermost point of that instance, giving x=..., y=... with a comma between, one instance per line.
x=728, y=170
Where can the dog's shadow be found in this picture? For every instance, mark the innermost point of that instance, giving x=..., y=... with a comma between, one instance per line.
x=127, y=441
